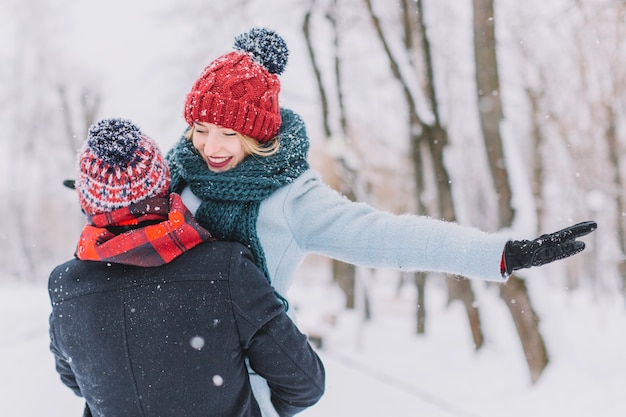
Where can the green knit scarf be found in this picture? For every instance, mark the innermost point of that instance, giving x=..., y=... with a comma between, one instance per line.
x=231, y=199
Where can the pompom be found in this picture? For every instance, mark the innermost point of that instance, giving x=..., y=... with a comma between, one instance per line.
x=114, y=140
x=267, y=48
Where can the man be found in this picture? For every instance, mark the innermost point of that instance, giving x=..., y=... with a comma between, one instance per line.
x=154, y=317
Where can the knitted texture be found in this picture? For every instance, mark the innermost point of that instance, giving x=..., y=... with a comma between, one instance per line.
x=239, y=90
x=231, y=199
x=152, y=232
x=118, y=166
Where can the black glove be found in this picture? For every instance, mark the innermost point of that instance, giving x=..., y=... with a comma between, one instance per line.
x=520, y=254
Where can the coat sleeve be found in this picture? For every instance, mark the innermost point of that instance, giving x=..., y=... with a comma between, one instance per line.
x=62, y=364
x=323, y=221
x=275, y=347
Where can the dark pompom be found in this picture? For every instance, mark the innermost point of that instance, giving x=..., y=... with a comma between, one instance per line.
x=266, y=47
x=114, y=140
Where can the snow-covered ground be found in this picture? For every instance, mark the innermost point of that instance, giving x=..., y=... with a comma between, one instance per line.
x=382, y=368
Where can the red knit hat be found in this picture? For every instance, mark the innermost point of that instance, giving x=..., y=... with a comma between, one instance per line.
x=239, y=90
x=118, y=166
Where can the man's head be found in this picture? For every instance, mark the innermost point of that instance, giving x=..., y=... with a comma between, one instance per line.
x=117, y=166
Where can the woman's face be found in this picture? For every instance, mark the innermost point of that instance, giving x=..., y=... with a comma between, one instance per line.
x=220, y=148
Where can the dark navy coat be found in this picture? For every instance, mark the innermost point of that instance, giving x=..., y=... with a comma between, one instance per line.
x=170, y=341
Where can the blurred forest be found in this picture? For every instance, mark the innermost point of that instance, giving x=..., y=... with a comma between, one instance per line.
x=504, y=115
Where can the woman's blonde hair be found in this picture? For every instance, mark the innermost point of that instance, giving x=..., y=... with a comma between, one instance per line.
x=250, y=145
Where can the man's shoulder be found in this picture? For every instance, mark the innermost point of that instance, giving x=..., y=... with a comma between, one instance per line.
x=209, y=261
x=215, y=252
x=216, y=260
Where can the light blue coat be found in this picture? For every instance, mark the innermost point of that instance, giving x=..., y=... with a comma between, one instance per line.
x=307, y=216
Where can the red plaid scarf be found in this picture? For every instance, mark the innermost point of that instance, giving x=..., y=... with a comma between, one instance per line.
x=153, y=244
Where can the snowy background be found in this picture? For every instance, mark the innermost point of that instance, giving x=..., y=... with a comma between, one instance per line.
x=380, y=367
x=139, y=57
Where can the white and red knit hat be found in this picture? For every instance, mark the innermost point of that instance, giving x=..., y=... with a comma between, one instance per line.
x=118, y=166
x=239, y=90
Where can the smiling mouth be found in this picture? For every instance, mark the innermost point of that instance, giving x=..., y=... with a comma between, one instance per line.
x=219, y=162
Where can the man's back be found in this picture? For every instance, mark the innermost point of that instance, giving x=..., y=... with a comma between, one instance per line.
x=171, y=340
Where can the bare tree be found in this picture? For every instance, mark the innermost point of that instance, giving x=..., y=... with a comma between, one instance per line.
x=36, y=205
x=514, y=293
x=606, y=88
x=430, y=137
x=344, y=274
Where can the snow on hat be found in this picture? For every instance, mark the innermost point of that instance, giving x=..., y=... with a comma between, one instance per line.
x=118, y=166
x=239, y=90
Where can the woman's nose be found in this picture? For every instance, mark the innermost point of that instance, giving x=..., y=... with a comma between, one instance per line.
x=210, y=144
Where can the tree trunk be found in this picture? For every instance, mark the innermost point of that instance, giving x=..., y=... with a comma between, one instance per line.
x=538, y=173
x=490, y=104
x=515, y=293
x=343, y=274
x=417, y=157
x=458, y=288
x=420, y=311
x=435, y=136
x=615, y=152
x=306, y=30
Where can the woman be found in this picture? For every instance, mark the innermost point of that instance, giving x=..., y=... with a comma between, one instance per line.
x=242, y=168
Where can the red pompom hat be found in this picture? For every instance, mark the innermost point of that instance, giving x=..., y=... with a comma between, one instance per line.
x=239, y=90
